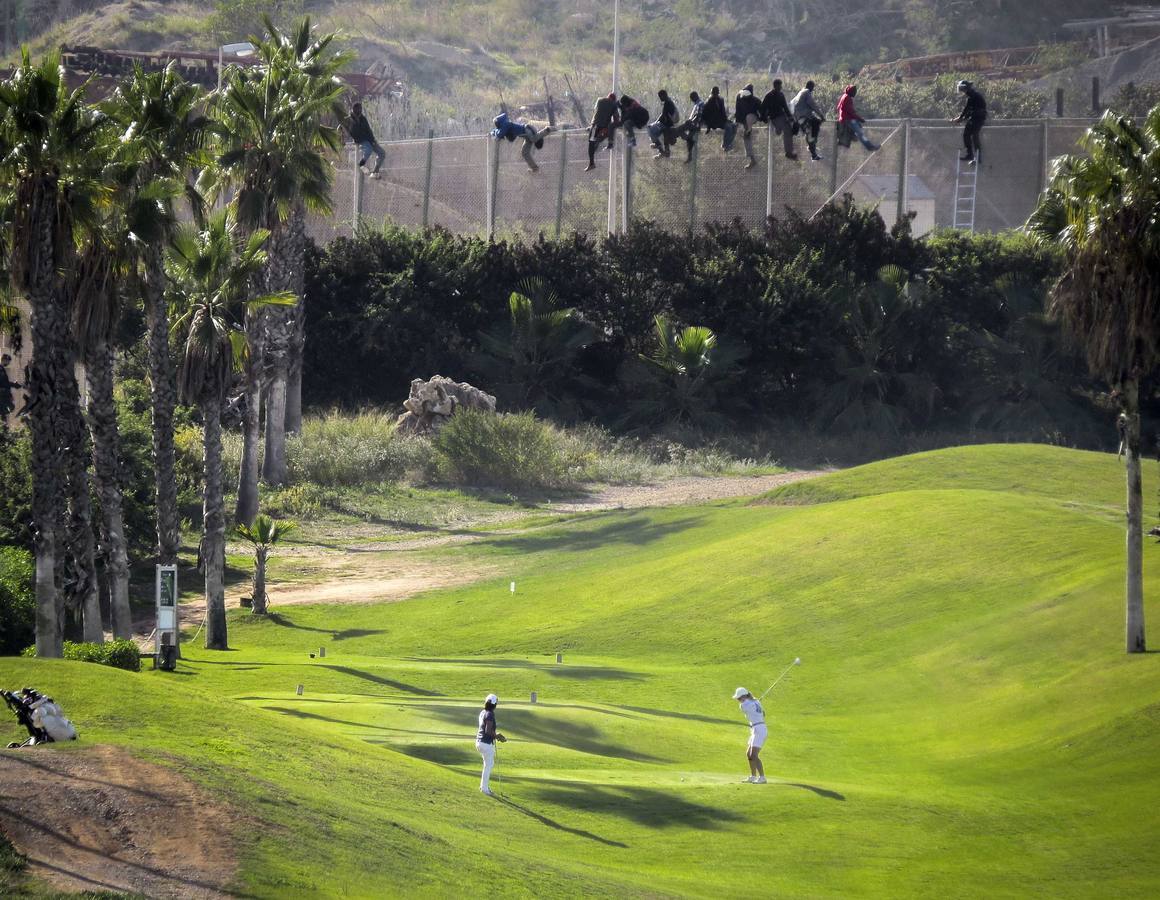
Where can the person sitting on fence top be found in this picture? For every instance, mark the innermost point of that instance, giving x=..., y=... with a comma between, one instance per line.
x=605, y=120
x=775, y=111
x=632, y=117
x=715, y=116
x=662, y=132
x=364, y=138
x=809, y=117
x=746, y=112
x=506, y=129
x=973, y=116
x=691, y=127
x=849, y=119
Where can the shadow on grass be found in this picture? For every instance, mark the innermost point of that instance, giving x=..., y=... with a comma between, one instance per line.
x=441, y=754
x=636, y=529
x=668, y=714
x=531, y=726
x=581, y=673
x=813, y=788
x=286, y=622
x=649, y=807
x=386, y=682
x=552, y=823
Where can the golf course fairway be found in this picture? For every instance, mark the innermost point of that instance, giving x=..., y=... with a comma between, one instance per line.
x=965, y=722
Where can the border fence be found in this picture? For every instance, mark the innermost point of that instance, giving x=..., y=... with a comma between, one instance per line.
x=476, y=185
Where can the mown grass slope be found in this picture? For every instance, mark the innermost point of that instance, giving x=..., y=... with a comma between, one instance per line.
x=965, y=722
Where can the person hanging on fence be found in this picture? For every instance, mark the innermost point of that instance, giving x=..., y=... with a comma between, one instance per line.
x=632, y=117
x=364, y=138
x=746, y=113
x=605, y=121
x=973, y=116
x=506, y=129
x=808, y=116
x=849, y=122
x=775, y=111
x=715, y=117
x=691, y=127
x=662, y=132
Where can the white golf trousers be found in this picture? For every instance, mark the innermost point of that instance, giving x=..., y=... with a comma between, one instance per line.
x=487, y=751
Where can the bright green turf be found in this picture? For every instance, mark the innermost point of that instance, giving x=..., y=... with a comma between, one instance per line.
x=965, y=722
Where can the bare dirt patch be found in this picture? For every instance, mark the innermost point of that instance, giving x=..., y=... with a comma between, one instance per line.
x=99, y=819
x=681, y=491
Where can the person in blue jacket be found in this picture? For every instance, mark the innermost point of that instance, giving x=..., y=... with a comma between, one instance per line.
x=506, y=129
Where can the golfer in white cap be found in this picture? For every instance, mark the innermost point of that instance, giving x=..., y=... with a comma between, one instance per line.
x=485, y=740
x=751, y=709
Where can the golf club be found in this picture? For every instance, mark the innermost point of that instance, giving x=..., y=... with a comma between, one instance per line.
x=796, y=662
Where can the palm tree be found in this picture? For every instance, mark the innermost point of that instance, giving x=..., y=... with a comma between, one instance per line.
x=46, y=130
x=212, y=271
x=263, y=534
x=683, y=376
x=275, y=155
x=1101, y=210
x=164, y=133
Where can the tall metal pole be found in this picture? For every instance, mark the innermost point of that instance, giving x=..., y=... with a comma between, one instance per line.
x=615, y=90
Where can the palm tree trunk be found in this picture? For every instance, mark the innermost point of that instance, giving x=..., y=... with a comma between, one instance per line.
x=298, y=333
x=82, y=588
x=260, y=581
x=283, y=270
x=247, y=505
x=163, y=382
x=1135, y=577
x=214, y=523
x=107, y=466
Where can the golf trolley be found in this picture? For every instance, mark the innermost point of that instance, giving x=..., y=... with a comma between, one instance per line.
x=44, y=720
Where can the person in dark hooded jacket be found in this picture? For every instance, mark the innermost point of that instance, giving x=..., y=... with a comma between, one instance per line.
x=746, y=113
x=775, y=111
x=662, y=132
x=691, y=127
x=632, y=117
x=715, y=117
x=605, y=121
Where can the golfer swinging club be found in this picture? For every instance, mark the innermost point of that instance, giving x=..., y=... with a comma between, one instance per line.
x=751, y=708
x=485, y=740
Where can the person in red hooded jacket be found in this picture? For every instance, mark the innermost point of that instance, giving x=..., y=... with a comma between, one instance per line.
x=849, y=117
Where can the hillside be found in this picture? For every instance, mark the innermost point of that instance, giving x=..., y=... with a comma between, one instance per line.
x=965, y=722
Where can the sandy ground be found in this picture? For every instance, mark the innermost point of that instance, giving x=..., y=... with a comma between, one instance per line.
x=114, y=823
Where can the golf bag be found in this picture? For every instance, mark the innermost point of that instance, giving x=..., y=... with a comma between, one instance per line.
x=43, y=719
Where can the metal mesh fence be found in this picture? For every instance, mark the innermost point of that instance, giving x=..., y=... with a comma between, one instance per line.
x=475, y=185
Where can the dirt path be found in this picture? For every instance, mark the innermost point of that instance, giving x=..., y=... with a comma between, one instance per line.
x=114, y=823
x=681, y=491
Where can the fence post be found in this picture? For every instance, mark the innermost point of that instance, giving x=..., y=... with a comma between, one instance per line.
x=769, y=173
x=1043, y=156
x=612, y=169
x=1096, y=94
x=356, y=197
x=560, y=186
x=427, y=180
x=903, y=181
x=492, y=183
x=695, y=154
x=626, y=189
x=834, y=163
x=1059, y=103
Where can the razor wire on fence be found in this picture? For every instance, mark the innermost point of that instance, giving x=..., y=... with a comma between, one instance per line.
x=476, y=185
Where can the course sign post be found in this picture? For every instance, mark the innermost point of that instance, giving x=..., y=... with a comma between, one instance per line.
x=167, y=618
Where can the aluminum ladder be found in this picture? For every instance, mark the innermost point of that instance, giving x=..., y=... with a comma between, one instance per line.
x=966, y=187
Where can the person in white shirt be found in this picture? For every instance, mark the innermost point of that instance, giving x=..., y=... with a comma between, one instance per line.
x=485, y=740
x=751, y=709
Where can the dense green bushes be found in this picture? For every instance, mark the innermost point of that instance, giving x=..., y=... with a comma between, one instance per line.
x=515, y=450
x=120, y=654
x=966, y=345
x=17, y=600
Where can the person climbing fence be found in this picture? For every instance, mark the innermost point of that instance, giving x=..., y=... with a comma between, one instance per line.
x=605, y=121
x=361, y=133
x=505, y=129
x=746, y=113
x=662, y=132
x=849, y=122
x=973, y=116
x=808, y=116
x=775, y=111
